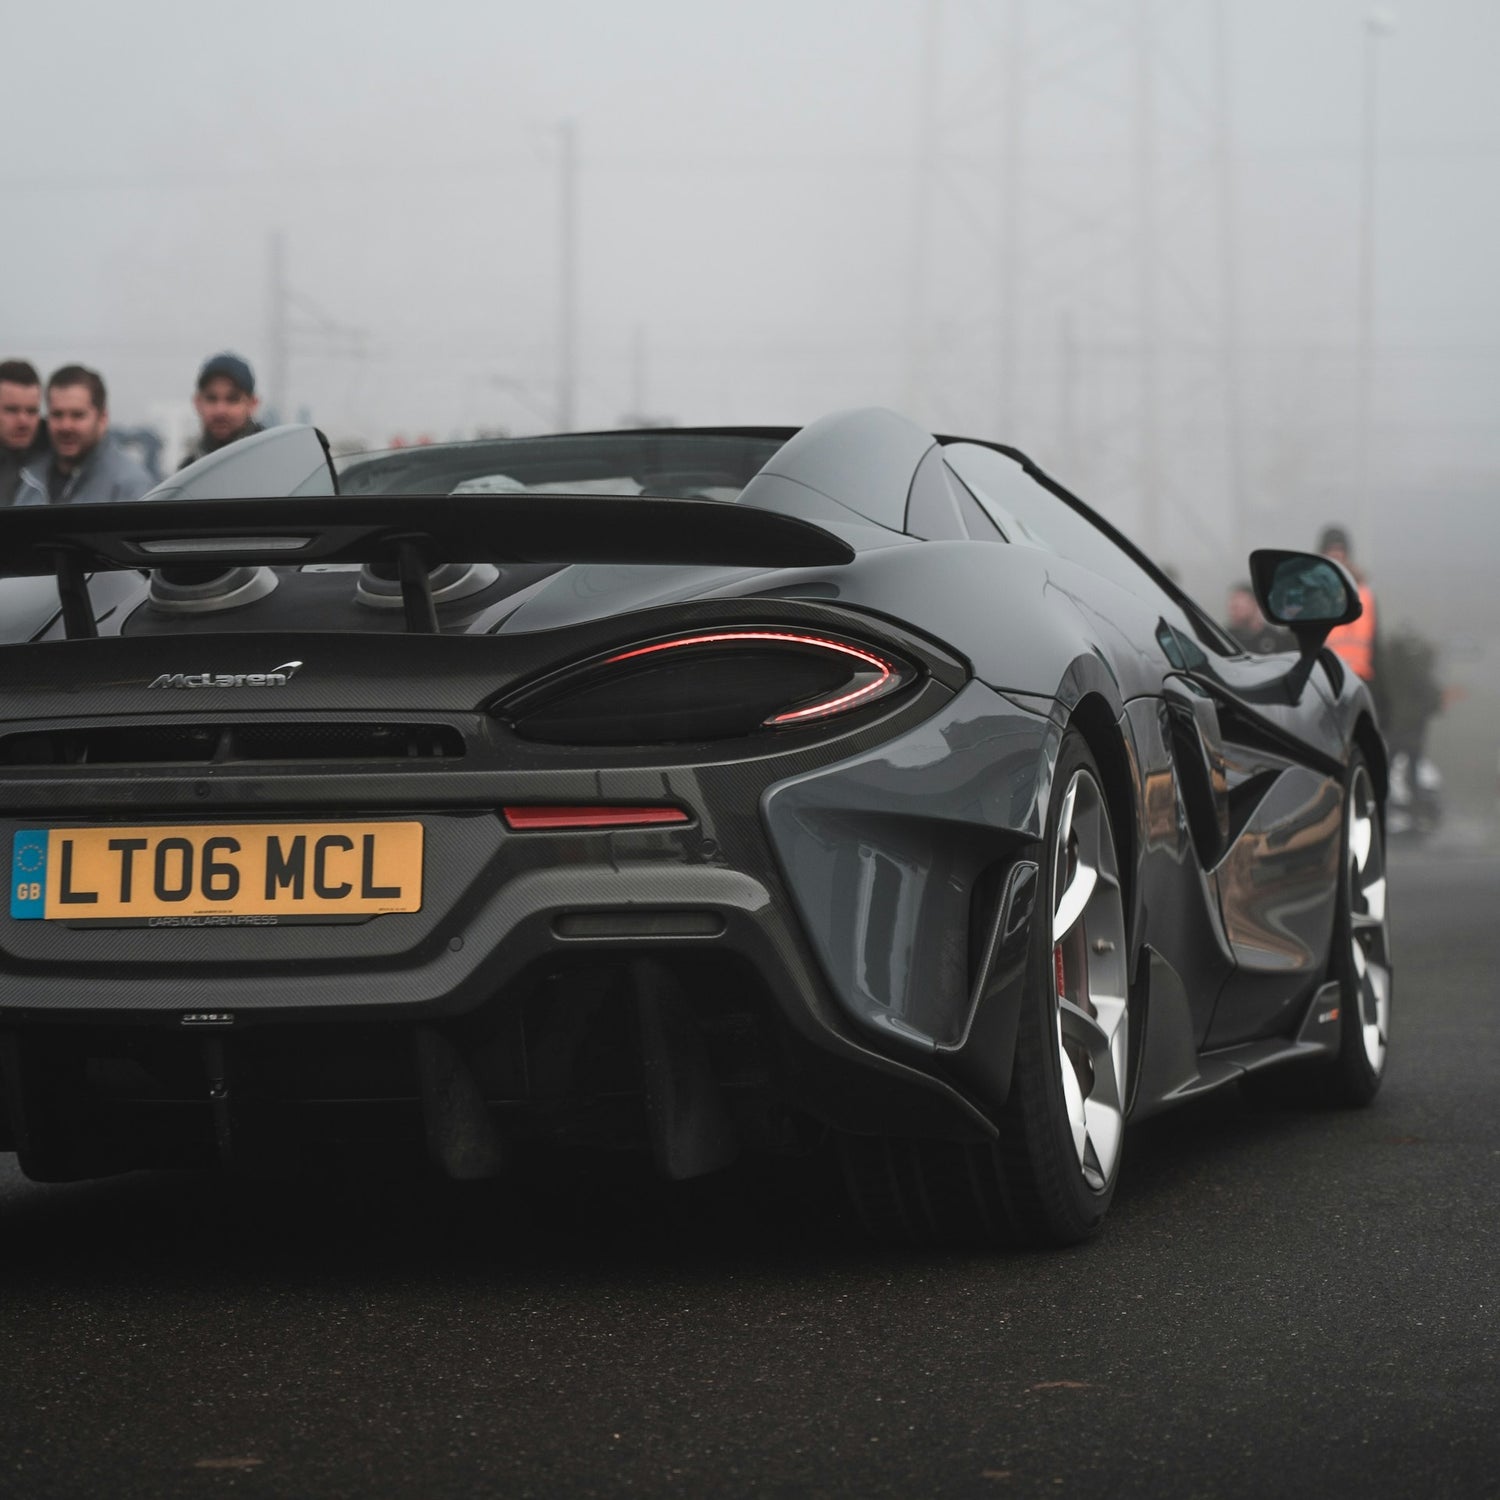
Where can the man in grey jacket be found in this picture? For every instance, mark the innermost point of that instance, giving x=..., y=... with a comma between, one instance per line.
x=23, y=433
x=85, y=466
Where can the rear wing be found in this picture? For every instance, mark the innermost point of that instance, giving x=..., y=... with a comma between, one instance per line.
x=404, y=536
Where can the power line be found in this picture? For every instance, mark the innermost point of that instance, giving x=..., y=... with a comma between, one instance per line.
x=802, y=162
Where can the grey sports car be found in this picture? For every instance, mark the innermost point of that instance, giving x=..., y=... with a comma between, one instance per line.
x=692, y=791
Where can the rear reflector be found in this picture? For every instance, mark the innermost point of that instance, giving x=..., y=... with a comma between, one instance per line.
x=525, y=818
x=637, y=924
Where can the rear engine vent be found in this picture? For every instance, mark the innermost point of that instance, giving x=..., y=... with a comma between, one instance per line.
x=206, y=588
x=380, y=588
x=174, y=744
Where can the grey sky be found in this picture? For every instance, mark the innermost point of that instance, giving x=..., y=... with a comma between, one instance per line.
x=747, y=189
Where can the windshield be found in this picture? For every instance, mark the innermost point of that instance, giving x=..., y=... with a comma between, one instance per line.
x=673, y=463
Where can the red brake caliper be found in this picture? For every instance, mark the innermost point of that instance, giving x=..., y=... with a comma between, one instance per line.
x=1059, y=970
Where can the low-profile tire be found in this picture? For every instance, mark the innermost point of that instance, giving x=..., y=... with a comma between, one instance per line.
x=1050, y=1176
x=1063, y=1129
x=1360, y=958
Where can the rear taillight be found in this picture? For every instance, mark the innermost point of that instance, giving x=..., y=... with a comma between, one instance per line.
x=708, y=685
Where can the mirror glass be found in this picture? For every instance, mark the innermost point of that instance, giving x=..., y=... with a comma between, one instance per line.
x=1307, y=590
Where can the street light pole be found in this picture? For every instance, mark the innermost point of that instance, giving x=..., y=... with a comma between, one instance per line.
x=1240, y=526
x=1147, y=272
x=277, y=400
x=919, y=371
x=1380, y=22
x=567, y=310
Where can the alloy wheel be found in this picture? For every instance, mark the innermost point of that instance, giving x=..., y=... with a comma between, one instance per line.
x=1369, y=929
x=1089, y=979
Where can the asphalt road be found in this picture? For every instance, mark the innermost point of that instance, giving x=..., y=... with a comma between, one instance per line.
x=1286, y=1301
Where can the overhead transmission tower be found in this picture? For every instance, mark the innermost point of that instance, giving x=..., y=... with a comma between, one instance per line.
x=1073, y=264
x=296, y=325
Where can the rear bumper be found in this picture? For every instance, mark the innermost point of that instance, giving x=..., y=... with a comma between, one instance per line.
x=752, y=904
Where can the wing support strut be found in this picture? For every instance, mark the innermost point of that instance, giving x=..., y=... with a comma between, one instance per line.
x=416, y=590
x=73, y=594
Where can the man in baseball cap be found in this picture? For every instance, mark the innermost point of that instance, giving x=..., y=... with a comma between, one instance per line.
x=226, y=404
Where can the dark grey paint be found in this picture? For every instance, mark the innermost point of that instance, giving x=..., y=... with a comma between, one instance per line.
x=863, y=459
x=1278, y=888
x=880, y=849
x=881, y=854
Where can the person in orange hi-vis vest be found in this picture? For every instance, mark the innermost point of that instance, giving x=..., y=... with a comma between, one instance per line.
x=1354, y=643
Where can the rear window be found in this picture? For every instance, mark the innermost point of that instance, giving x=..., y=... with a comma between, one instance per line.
x=676, y=464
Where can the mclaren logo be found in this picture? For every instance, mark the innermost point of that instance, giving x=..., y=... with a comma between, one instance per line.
x=276, y=677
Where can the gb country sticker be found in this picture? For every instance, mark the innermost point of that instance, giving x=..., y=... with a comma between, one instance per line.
x=28, y=873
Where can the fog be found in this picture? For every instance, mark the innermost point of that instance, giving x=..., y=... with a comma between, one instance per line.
x=1231, y=268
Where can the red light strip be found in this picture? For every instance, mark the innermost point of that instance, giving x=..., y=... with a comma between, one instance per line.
x=752, y=635
x=828, y=706
x=831, y=705
x=521, y=819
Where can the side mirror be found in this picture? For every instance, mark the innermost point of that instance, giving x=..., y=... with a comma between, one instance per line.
x=1306, y=592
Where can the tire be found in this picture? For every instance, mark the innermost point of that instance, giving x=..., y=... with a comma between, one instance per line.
x=1050, y=1176
x=1360, y=958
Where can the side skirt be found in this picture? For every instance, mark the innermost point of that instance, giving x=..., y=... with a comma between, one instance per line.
x=1172, y=1070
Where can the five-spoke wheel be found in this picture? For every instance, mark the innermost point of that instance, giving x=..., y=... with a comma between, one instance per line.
x=1361, y=958
x=1089, y=978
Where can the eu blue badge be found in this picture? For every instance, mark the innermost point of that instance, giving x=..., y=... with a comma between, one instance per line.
x=28, y=873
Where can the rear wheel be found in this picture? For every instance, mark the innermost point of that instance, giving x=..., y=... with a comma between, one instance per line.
x=1050, y=1176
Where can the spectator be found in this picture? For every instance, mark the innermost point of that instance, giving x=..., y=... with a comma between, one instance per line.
x=1413, y=698
x=1408, y=669
x=85, y=466
x=1355, y=643
x=226, y=403
x=23, y=433
x=1250, y=628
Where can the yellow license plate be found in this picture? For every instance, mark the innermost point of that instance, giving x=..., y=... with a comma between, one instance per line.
x=217, y=870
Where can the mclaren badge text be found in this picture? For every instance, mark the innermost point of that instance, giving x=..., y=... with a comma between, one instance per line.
x=276, y=677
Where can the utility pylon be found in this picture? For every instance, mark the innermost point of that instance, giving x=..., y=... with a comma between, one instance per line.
x=1073, y=251
x=297, y=324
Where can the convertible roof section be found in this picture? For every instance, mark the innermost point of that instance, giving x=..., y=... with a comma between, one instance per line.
x=712, y=456
x=293, y=460
x=410, y=534
x=864, y=459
